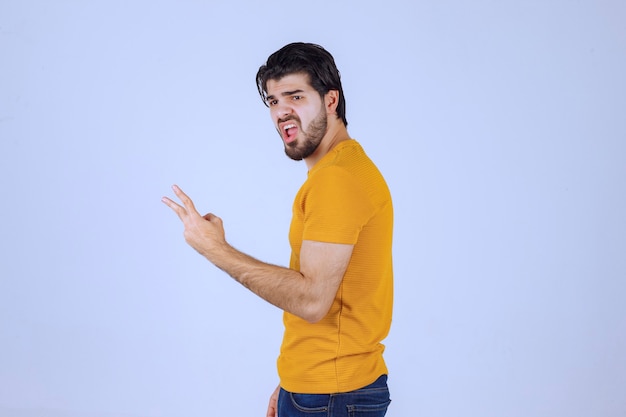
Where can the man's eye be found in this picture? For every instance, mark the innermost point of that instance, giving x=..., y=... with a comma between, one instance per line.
x=272, y=102
x=296, y=97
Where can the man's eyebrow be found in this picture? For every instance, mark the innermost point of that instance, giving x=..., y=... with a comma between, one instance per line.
x=284, y=94
x=291, y=93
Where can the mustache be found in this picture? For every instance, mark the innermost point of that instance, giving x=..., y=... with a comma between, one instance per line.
x=290, y=117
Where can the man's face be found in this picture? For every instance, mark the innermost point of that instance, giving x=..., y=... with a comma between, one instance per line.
x=298, y=113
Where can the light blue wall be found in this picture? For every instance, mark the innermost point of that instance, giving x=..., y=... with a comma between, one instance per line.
x=500, y=126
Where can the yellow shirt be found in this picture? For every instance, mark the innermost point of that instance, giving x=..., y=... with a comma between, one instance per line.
x=345, y=200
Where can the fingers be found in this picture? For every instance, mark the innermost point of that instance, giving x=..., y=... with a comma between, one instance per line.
x=188, y=213
x=180, y=211
x=212, y=217
x=188, y=203
x=272, y=408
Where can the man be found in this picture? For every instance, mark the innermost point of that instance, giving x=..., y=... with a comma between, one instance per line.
x=337, y=292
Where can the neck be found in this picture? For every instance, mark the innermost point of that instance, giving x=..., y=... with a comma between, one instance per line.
x=336, y=134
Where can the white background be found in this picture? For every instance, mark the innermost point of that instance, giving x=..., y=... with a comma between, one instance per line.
x=499, y=125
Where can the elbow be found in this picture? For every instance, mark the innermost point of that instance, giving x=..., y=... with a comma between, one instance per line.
x=313, y=318
x=315, y=313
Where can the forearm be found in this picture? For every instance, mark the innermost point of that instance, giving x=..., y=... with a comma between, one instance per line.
x=283, y=287
x=307, y=293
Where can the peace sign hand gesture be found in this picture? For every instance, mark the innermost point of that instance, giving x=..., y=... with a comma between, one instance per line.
x=203, y=233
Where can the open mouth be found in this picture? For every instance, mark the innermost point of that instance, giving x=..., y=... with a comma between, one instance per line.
x=289, y=130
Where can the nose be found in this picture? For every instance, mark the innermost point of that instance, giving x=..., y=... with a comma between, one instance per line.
x=282, y=111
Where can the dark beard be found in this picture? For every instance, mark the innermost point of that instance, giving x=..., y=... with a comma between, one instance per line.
x=304, y=147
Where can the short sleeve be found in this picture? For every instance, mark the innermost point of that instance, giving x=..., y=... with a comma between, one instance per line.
x=336, y=207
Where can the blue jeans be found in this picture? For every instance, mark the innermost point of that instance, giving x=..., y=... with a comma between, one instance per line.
x=369, y=401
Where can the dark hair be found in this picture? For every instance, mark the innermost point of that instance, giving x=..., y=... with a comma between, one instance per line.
x=307, y=58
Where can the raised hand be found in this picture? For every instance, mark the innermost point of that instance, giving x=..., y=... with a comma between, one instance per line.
x=203, y=233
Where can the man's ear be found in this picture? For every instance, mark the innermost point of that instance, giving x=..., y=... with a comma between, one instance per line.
x=331, y=101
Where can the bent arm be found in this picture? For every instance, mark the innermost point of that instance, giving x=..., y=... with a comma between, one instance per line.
x=308, y=293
